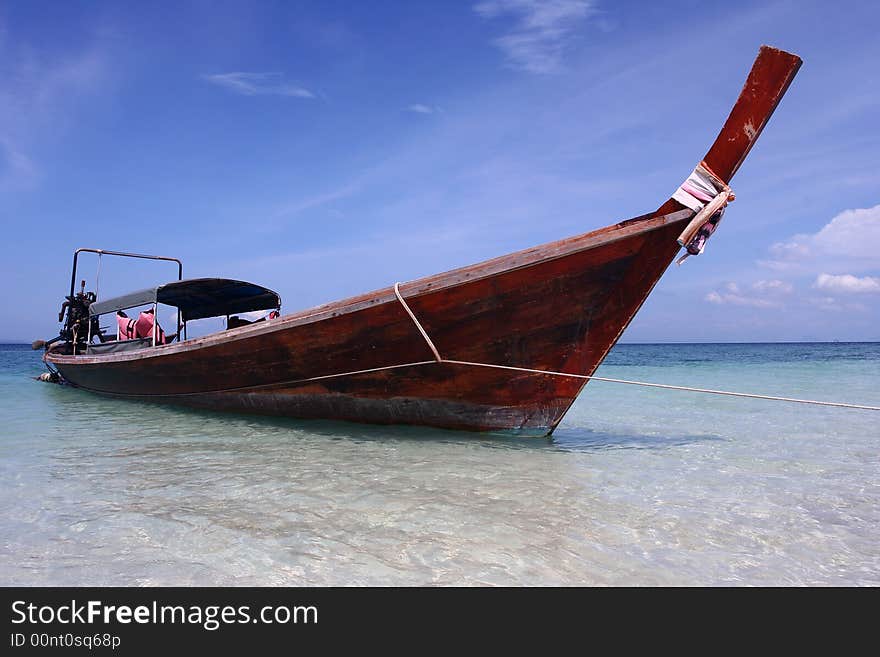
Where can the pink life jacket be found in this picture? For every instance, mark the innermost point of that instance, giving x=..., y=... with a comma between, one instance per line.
x=143, y=327
x=124, y=328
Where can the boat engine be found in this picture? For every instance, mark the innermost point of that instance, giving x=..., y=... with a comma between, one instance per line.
x=76, y=325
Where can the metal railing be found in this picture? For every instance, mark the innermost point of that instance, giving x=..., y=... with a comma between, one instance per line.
x=103, y=252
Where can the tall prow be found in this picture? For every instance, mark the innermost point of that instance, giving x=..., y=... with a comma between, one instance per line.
x=767, y=83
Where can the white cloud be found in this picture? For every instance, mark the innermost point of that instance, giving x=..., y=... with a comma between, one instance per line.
x=852, y=238
x=420, y=108
x=773, y=286
x=301, y=205
x=542, y=31
x=852, y=233
x=16, y=168
x=847, y=284
x=258, y=84
x=830, y=304
x=761, y=294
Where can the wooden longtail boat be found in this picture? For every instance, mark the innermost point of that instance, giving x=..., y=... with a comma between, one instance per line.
x=503, y=345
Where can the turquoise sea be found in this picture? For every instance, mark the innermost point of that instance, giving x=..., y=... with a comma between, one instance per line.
x=638, y=486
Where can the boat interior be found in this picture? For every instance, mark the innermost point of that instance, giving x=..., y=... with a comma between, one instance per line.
x=135, y=314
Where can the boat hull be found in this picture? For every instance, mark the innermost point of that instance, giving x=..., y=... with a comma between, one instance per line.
x=556, y=309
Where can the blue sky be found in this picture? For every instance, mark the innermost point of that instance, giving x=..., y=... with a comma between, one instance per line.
x=329, y=148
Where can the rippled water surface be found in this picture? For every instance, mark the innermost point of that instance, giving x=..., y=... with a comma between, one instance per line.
x=638, y=486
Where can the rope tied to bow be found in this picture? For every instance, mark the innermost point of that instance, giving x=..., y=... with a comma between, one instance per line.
x=438, y=359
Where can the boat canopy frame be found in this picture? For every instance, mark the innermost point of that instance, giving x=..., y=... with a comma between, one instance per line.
x=124, y=254
x=195, y=298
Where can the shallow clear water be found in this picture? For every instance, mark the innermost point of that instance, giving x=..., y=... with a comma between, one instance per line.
x=638, y=486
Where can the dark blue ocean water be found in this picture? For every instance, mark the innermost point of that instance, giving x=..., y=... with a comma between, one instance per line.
x=638, y=485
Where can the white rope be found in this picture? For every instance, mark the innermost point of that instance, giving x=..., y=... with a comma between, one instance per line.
x=353, y=373
x=417, y=323
x=585, y=377
x=666, y=386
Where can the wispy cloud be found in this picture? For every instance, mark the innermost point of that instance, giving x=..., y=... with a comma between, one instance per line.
x=258, y=84
x=420, y=108
x=847, y=284
x=761, y=294
x=38, y=95
x=16, y=168
x=290, y=210
x=774, y=286
x=542, y=32
x=834, y=305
